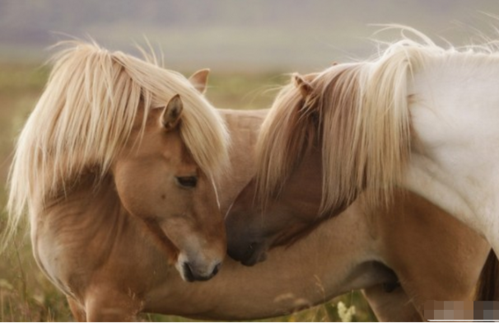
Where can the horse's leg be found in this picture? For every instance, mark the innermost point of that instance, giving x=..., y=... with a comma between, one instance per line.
x=393, y=306
x=78, y=312
x=111, y=306
x=426, y=287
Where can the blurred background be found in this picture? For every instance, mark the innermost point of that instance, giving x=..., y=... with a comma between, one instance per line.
x=250, y=47
x=230, y=35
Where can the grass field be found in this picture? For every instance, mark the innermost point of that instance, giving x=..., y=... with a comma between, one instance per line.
x=25, y=294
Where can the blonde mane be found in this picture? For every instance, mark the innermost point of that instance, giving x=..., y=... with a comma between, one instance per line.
x=86, y=114
x=363, y=125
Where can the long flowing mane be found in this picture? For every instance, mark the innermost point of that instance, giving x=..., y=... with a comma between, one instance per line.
x=86, y=114
x=363, y=125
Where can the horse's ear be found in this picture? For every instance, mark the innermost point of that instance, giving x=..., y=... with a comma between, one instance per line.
x=172, y=113
x=199, y=80
x=304, y=86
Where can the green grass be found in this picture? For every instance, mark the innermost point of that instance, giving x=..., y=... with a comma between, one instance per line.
x=25, y=294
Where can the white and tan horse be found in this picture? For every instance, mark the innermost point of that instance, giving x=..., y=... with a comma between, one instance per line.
x=117, y=142
x=417, y=116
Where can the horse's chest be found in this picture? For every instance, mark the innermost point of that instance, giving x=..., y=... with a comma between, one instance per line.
x=60, y=256
x=47, y=256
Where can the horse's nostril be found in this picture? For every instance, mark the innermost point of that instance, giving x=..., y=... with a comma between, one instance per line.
x=250, y=250
x=189, y=275
x=216, y=269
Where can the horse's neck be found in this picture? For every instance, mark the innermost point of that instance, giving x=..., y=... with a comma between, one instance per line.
x=243, y=126
x=455, y=115
x=83, y=205
x=329, y=262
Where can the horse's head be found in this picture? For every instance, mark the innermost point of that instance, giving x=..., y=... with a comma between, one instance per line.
x=252, y=227
x=285, y=200
x=158, y=180
x=347, y=121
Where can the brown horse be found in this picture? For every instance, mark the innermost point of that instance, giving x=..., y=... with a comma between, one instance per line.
x=111, y=148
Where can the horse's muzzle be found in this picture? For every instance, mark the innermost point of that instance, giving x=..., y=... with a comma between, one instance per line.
x=250, y=255
x=191, y=274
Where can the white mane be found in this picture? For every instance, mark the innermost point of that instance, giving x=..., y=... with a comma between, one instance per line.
x=364, y=121
x=86, y=114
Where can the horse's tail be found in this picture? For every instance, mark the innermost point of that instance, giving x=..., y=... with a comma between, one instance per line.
x=488, y=283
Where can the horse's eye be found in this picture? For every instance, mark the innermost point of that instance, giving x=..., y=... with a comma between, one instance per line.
x=187, y=181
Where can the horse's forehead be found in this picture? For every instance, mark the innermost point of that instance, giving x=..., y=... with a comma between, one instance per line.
x=175, y=147
x=154, y=138
x=153, y=115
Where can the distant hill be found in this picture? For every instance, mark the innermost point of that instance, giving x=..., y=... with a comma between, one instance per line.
x=230, y=34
